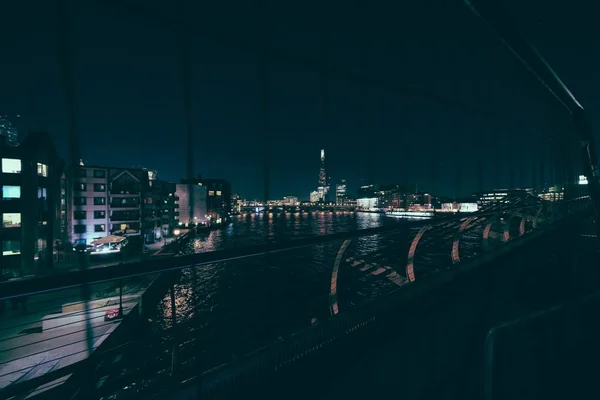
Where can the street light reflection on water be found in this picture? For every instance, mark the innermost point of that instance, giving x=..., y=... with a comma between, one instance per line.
x=268, y=296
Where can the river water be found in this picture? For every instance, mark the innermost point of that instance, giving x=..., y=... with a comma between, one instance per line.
x=227, y=309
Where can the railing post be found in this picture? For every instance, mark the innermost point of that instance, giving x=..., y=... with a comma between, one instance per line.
x=175, y=351
x=120, y=298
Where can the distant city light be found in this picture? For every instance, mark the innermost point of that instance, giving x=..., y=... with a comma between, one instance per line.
x=583, y=180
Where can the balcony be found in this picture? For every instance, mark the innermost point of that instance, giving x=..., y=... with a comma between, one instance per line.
x=127, y=204
x=123, y=216
x=132, y=189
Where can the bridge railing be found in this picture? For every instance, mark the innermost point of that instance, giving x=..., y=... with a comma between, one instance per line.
x=74, y=338
x=270, y=359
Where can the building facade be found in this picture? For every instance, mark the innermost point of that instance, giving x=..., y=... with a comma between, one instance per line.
x=236, y=204
x=190, y=203
x=323, y=187
x=30, y=180
x=218, y=200
x=495, y=195
x=116, y=201
x=340, y=193
x=291, y=201
x=315, y=197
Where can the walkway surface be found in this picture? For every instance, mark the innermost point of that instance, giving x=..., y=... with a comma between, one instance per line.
x=54, y=330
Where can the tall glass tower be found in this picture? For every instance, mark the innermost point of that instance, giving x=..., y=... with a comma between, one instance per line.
x=323, y=187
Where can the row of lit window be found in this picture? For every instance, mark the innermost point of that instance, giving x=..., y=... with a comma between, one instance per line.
x=212, y=192
x=11, y=220
x=99, y=214
x=82, y=187
x=80, y=228
x=11, y=247
x=13, y=166
x=100, y=201
x=10, y=192
x=82, y=201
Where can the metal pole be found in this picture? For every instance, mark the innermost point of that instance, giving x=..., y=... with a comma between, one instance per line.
x=120, y=298
x=68, y=80
x=175, y=352
x=187, y=107
x=264, y=87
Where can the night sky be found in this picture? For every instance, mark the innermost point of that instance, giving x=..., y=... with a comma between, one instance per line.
x=443, y=97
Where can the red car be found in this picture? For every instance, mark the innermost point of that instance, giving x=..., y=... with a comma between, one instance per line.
x=112, y=314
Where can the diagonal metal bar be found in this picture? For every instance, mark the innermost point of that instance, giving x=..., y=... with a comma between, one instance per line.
x=525, y=52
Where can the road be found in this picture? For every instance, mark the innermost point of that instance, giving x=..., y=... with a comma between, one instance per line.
x=43, y=338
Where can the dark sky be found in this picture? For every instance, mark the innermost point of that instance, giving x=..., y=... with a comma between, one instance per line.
x=443, y=100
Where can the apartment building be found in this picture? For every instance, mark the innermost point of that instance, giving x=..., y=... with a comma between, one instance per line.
x=30, y=182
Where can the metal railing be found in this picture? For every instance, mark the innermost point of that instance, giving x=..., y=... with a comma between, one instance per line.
x=56, y=336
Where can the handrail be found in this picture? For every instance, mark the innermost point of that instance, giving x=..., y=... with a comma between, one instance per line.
x=271, y=358
x=279, y=354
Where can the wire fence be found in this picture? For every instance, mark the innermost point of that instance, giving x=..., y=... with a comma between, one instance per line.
x=137, y=333
x=418, y=93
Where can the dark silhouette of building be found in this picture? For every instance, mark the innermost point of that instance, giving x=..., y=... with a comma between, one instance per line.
x=218, y=199
x=30, y=180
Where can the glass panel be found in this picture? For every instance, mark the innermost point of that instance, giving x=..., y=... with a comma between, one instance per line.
x=11, y=247
x=79, y=228
x=11, y=166
x=11, y=220
x=11, y=192
x=42, y=169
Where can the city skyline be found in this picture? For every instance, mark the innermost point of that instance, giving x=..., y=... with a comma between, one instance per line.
x=371, y=120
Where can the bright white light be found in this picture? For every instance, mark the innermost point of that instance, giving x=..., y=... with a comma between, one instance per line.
x=176, y=232
x=583, y=180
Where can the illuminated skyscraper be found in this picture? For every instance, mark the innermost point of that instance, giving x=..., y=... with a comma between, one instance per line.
x=314, y=197
x=340, y=193
x=323, y=188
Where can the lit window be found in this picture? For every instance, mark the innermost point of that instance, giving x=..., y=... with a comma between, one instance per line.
x=99, y=228
x=11, y=220
x=42, y=193
x=11, y=192
x=218, y=192
x=211, y=192
x=11, y=247
x=42, y=169
x=11, y=166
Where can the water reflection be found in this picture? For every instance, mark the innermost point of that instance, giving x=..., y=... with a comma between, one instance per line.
x=238, y=306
